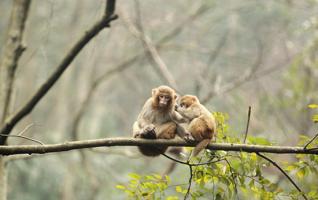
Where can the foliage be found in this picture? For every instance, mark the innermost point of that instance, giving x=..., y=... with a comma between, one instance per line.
x=231, y=175
x=315, y=116
x=146, y=187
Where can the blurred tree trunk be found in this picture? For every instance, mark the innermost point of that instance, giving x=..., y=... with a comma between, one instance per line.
x=3, y=179
x=11, y=53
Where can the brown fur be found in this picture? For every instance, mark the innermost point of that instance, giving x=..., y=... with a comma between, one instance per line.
x=201, y=121
x=157, y=119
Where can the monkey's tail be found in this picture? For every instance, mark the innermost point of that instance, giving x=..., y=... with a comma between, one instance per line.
x=200, y=146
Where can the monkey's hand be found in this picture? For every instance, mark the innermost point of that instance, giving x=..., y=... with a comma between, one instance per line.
x=148, y=128
x=148, y=132
x=188, y=137
x=177, y=117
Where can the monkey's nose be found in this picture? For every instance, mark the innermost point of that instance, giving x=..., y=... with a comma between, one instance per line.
x=175, y=107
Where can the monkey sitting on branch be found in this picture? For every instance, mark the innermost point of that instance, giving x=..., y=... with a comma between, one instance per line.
x=157, y=119
x=201, y=123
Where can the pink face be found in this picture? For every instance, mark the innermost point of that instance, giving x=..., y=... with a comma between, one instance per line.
x=164, y=100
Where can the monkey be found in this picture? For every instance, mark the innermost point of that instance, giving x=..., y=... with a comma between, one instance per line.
x=201, y=123
x=157, y=119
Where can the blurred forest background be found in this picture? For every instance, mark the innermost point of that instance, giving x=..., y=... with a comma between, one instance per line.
x=231, y=54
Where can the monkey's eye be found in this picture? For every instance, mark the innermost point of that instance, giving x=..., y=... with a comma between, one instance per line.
x=182, y=105
x=161, y=96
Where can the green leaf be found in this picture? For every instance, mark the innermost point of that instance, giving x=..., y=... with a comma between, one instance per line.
x=312, y=194
x=252, y=183
x=157, y=176
x=121, y=187
x=258, y=140
x=290, y=168
x=313, y=106
x=315, y=118
x=179, y=189
x=172, y=198
x=168, y=179
x=300, y=174
x=253, y=157
x=134, y=176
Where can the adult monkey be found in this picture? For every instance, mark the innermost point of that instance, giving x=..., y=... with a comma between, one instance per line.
x=157, y=120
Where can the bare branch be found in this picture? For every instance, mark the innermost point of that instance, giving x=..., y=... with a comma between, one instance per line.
x=190, y=182
x=248, y=123
x=285, y=174
x=152, y=52
x=32, y=102
x=248, y=76
x=108, y=142
x=25, y=129
x=203, y=76
x=24, y=137
x=12, y=51
x=203, y=8
x=305, y=147
x=232, y=175
x=110, y=8
x=23, y=157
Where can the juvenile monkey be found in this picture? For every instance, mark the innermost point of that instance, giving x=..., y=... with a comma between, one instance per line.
x=201, y=123
x=157, y=119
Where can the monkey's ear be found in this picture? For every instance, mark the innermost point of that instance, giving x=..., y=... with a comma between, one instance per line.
x=195, y=99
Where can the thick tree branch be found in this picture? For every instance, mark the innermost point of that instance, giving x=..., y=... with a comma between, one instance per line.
x=32, y=102
x=108, y=142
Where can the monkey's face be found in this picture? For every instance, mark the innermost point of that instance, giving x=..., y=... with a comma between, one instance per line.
x=163, y=97
x=187, y=107
x=164, y=100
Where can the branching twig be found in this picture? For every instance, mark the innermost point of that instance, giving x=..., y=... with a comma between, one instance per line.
x=214, y=54
x=247, y=124
x=25, y=129
x=305, y=147
x=286, y=175
x=248, y=75
x=190, y=182
x=191, y=164
x=24, y=137
x=152, y=52
x=42, y=91
x=232, y=175
x=245, y=78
